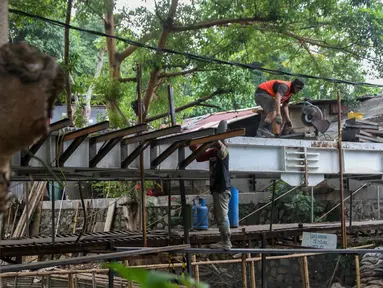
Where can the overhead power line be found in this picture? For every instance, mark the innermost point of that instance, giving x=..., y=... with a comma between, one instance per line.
x=193, y=56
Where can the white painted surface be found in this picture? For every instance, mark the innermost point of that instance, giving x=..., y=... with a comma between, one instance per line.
x=319, y=240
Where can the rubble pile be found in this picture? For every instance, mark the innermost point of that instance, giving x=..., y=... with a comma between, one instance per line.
x=371, y=270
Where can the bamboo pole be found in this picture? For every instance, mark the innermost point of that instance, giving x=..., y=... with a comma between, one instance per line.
x=244, y=276
x=302, y=273
x=70, y=280
x=94, y=285
x=252, y=272
x=49, y=281
x=357, y=270
x=306, y=272
x=164, y=266
x=100, y=280
x=196, y=268
x=341, y=164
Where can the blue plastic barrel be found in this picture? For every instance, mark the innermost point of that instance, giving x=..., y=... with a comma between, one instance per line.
x=200, y=215
x=234, y=208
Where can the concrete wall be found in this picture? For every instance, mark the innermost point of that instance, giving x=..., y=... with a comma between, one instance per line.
x=284, y=273
x=156, y=212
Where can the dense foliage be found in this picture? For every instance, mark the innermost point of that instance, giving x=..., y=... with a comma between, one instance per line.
x=326, y=38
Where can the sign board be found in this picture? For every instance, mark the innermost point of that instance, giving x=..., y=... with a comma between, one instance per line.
x=319, y=240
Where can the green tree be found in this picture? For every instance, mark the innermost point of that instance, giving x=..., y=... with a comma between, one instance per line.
x=325, y=38
x=295, y=207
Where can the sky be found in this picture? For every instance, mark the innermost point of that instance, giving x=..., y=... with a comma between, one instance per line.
x=149, y=4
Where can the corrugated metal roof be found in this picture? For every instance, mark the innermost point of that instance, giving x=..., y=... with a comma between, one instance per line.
x=212, y=120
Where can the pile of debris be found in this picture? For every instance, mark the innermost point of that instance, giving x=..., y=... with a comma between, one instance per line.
x=371, y=270
x=362, y=131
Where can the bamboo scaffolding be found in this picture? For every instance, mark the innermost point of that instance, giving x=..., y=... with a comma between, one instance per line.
x=244, y=268
x=357, y=271
x=164, y=266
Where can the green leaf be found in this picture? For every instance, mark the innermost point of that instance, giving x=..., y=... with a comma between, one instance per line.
x=137, y=275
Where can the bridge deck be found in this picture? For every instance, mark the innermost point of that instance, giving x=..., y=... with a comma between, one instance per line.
x=93, y=242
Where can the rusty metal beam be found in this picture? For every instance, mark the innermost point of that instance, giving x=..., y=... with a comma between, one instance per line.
x=86, y=131
x=168, y=151
x=119, y=133
x=59, y=124
x=103, y=151
x=136, y=152
x=152, y=135
x=35, y=147
x=195, y=155
x=221, y=136
x=184, y=136
x=64, y=156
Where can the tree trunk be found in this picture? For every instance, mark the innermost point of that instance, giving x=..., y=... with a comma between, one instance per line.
x=111, y=42
x=88, y=98
x=66, y=61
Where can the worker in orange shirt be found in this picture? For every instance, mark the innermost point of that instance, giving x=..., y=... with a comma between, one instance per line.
x=270, y=95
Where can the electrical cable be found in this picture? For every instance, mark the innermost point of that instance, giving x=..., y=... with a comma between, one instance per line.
x=194, y=56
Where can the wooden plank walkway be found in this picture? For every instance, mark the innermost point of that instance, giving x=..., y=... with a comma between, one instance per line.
x=282, y=230
x=101, y=241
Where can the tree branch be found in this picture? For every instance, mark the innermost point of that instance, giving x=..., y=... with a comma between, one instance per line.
x=181, y=73
x=209, y=106
x=221, y=22
x=129, y=79
x=166, y=75
x=129, y=51
x=161, y=44
x=189, y=105
x=318, y=43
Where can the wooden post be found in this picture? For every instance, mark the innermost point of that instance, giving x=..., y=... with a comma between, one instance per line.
x=378, y=216
x=70, y=281
x=142, y=180
x=196, y=268
x=357, y=271
x=341, y=186
x=244, y=276
x=169, y=186
x=305, y=273
x=126, y=262
x=94, y=285
x=49, y=281
x=252, y=273
x=172, y=111
x=253, y=283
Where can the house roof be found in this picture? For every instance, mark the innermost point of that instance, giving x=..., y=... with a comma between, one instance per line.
x=212, y=120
